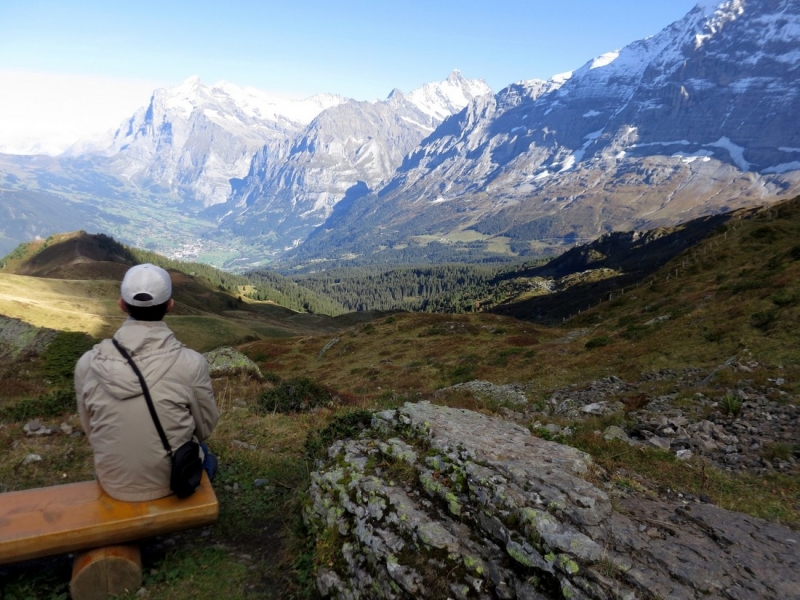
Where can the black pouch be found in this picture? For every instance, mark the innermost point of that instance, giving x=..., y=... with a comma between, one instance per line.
x=187, y=469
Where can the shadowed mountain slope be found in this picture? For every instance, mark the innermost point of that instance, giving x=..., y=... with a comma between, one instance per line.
x=742, y=275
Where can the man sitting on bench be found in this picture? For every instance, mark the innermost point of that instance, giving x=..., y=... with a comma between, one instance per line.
x=130, y=460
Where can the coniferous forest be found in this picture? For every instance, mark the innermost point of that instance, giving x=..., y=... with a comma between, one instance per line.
x=429, y=288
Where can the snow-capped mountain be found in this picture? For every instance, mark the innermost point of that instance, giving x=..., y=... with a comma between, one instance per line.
x=351, y=147
x=191, y=140
x=699, y=118
x=441, y=99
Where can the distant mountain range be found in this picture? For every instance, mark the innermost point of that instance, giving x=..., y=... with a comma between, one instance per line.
x=696, y=120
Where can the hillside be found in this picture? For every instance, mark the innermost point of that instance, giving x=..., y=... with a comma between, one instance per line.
x=683, y=387
x=737, y=288
x=685, y=391
x=591, y=273
x=688, y=297
x=545, y=291
x=70, y=282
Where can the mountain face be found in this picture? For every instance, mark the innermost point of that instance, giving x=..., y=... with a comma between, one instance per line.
x=346, y=151
x=695, y=120
x=191, y=140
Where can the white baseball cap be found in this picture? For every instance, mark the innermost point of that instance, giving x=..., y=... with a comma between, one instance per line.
x=146, y=285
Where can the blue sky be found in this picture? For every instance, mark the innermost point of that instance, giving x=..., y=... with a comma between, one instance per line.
x=355, y=48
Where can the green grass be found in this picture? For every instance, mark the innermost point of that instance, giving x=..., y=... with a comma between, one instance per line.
x=61, y=354
x=50, y=405
x=204, y=333
x=193, y=572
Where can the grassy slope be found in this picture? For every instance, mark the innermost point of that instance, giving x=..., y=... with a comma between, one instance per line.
x=88, y=306
x=737, y=294
x=204, y=317
x=737, y=291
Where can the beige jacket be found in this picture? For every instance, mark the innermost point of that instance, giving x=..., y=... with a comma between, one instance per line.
x=129, y=459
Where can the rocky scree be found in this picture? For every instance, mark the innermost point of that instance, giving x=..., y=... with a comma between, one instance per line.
x=748, y=427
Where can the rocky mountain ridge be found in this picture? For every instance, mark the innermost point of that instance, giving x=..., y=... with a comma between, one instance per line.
x=346, y=151
x=658, y=132
x=194, y=139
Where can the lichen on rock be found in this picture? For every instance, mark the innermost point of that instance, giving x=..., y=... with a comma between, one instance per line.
x=229, y=361
x=437, y=502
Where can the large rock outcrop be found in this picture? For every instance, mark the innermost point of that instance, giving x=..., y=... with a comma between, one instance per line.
x=435, y=502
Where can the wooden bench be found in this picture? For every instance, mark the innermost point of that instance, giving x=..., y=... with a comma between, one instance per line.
x=82, y=518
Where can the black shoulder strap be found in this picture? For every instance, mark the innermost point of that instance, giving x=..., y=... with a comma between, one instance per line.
x=147, y=397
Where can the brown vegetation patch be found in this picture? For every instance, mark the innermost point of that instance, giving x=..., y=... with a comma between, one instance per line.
x=263, y=351
x=522, y=340
x=16, y=387
x=636, y=402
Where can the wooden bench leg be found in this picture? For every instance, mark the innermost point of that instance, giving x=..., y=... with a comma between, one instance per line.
x=103, y=572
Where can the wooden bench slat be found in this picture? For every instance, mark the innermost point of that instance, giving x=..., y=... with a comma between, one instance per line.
x=77, y=516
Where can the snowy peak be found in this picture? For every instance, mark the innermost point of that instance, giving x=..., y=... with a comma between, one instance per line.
x=666, y=51
x=247, y=102
x=193, y=139
x=441, y=99
x=720, y=12
x=529, y=90
x=262, y=105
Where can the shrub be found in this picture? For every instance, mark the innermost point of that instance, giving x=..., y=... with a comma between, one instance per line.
x=462, y=373
x=501, y=358
x=18, y=252
x=779, y=450
x=714, y=335
x=763, y=320
x=765, y=234
x=465, y=369
x=784, y=298
x=637, y=332
x=345, y=425
x=598, y=342
x=53, y=404
x=731, y=405
x=271, y=376
x=295, y=395
x=546, y=434
x=61, y=354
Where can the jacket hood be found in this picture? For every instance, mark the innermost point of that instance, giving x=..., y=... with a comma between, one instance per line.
x=116, y=375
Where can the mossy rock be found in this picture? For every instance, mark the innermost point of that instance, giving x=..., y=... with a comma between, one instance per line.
x=229, y=361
